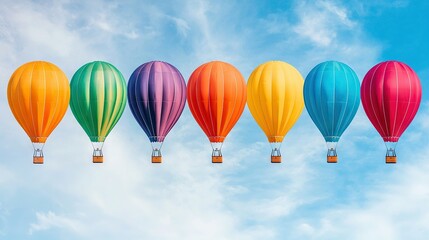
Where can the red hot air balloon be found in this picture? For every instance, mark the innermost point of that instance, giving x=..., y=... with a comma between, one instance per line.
x=391, y=93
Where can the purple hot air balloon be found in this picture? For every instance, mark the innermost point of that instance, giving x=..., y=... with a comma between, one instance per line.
x=156, y=96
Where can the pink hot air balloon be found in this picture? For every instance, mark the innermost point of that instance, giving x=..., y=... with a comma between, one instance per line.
x=391, y=94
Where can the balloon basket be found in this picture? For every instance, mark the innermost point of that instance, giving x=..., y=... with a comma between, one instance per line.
x=156, y=159
x=390, y=159
x=37, y=160
x=332, y=159
x=97, y=159
x=276, y=159
x=217, y=159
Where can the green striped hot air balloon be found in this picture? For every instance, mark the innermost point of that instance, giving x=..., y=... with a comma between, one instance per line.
x=97, y=100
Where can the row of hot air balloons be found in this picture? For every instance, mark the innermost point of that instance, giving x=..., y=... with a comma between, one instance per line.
x=276, y=93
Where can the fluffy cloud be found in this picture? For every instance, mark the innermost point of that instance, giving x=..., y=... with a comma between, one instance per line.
x=46, y=221
x=319, y=31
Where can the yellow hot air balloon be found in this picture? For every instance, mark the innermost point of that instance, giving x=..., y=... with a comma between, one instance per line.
x=275, y=99
x=38, y=95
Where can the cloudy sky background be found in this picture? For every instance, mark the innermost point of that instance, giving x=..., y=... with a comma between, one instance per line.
x=187, y=197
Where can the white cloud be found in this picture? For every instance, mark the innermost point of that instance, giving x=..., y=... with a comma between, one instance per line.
x=46, y=221
x=182, y=198
x=394, y=209
x=181, y=25
x=317, y=31
x=321, y=22
x=393, y=205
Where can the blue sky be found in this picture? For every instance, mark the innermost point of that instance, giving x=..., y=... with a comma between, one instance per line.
x=187, y=197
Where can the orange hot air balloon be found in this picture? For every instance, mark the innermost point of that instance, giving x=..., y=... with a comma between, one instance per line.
x=216, y=97
x=38, y=95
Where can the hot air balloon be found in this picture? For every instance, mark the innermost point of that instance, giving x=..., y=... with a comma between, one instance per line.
x=216, y=98
x=391, y=93
x=157, y=96
x=331, y=96
x=275, y=100
x=38, y=95
x=98, y=98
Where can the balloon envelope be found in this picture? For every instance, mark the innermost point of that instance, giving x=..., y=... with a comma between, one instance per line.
x=216, y=98
x=391, y=93
x=157, y=96
x=38, y=95
x=275, y=99
x=332, y=96
x=98, y=99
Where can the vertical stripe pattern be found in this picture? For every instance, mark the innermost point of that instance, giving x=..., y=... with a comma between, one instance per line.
x=216, y=98
x=391, y=93
x=275, y=98
x=38, y=95
x=157, y=96
x=98, y=98
x=332, y=97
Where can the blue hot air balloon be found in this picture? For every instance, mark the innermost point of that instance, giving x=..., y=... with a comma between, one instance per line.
x=332, y=97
